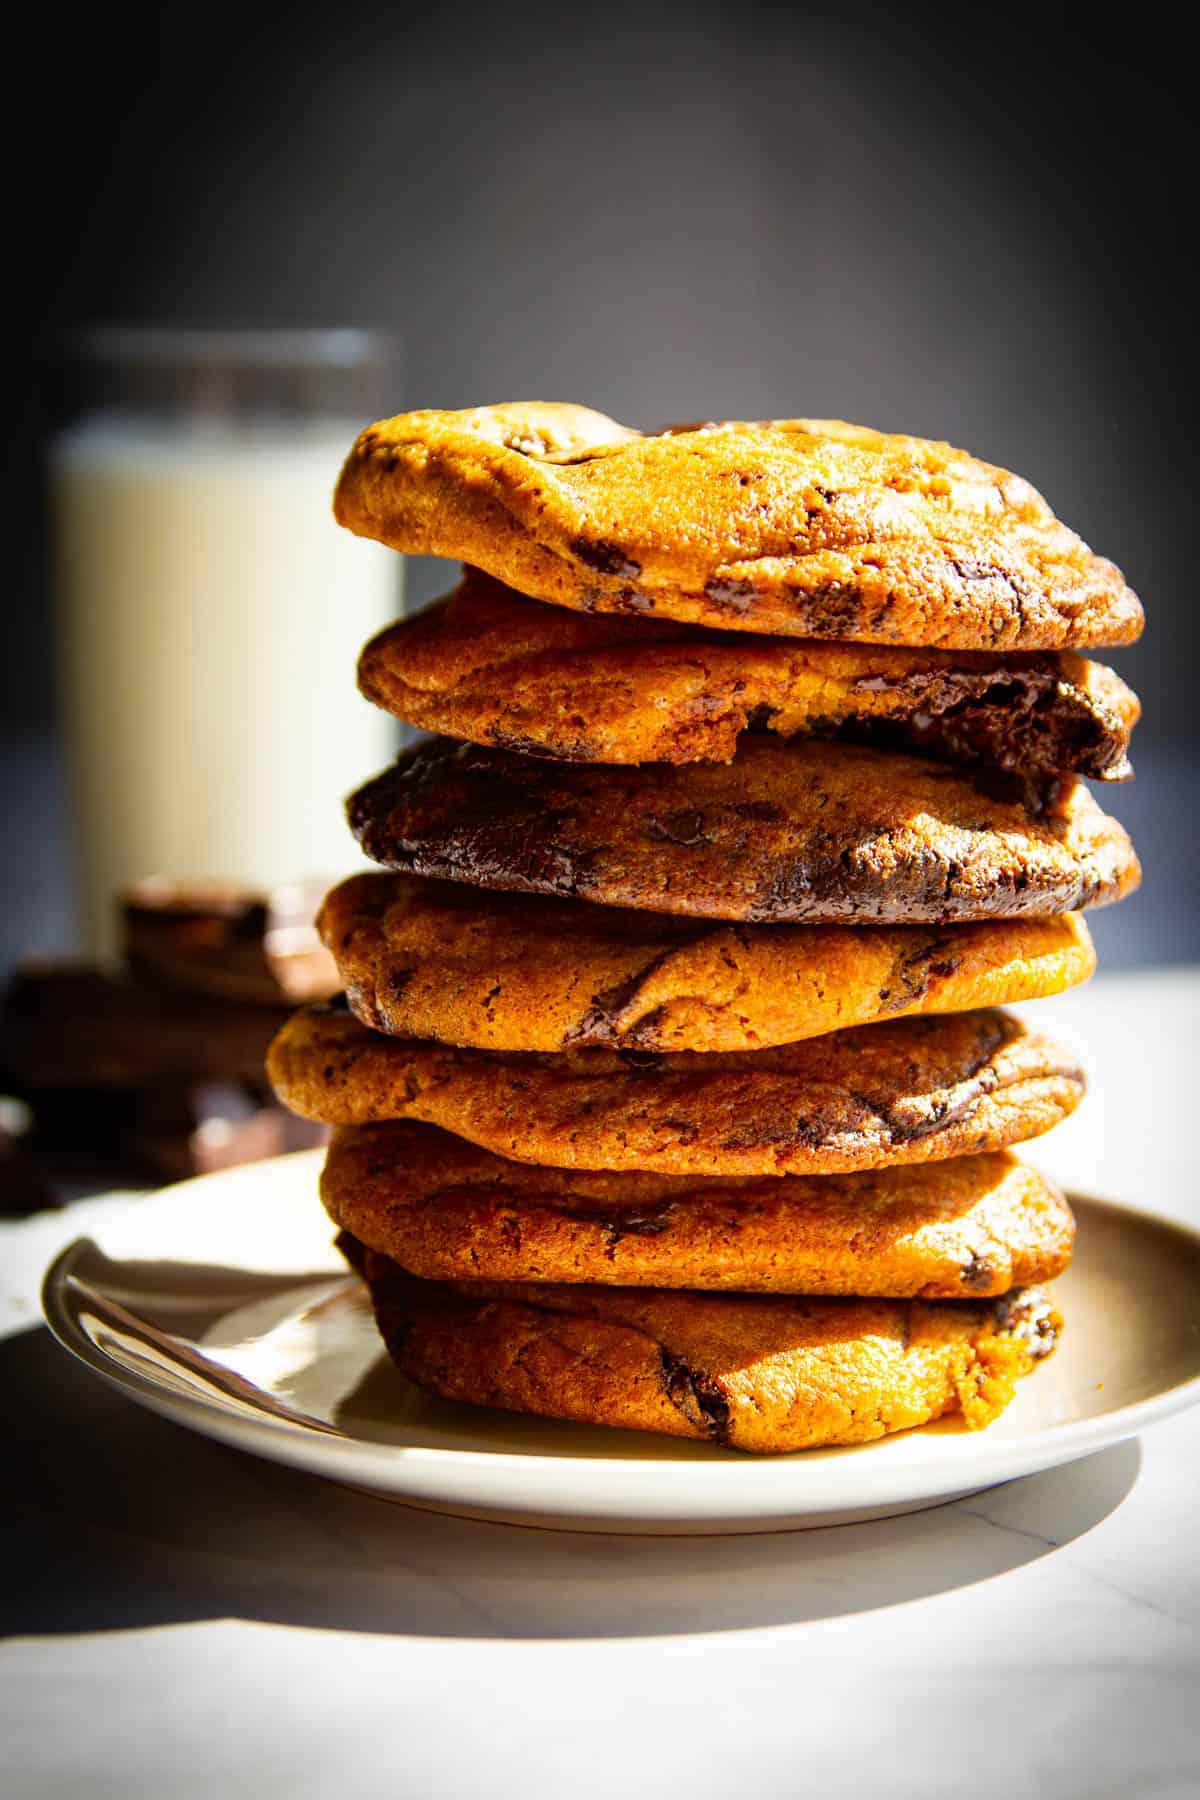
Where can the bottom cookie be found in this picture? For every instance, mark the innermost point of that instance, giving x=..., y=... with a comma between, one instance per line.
x=761, y=1374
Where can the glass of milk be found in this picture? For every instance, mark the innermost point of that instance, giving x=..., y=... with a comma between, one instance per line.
x=210, y=612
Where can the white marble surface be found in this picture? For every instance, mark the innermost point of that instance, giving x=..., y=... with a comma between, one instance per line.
x=192, y=1621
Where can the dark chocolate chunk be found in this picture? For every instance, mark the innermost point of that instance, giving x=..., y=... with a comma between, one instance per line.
x=698, y=1396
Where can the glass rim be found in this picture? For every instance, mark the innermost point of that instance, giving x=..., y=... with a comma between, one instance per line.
x=250, y=348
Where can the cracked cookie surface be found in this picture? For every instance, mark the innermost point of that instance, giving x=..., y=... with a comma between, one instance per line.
x=490, y=666
x=906, y=1091
x=806, y=832
x=764, y=1374
x=446, y=1210
x=435, y=959
x=809, y=527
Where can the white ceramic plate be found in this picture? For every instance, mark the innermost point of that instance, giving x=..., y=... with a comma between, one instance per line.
x=222, y=1304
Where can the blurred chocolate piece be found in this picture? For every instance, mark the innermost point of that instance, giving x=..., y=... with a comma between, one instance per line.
x=227, y=942
x=156, y=1073
x=66, y=1024
x=214, y=1125
x=79, y=1140
x=231, y=1126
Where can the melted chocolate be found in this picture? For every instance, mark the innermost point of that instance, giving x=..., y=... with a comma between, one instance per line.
x=699, y=1397
x=1023, y=719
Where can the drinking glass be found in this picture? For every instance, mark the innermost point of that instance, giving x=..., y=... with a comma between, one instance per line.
x=210, y=611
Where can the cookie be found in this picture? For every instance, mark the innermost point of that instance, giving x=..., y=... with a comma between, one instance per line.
x=488, y=665
x=448, y=1211
x=761, y=1374
x=909, y=1090
x=815, y=833
x=802, y=526
x=433, y=959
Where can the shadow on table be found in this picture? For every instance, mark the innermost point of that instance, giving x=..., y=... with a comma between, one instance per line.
x=122, y=1521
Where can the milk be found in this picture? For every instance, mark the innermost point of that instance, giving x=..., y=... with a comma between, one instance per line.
x=210, y=615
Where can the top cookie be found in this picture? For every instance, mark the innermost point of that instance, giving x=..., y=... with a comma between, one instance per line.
x=801, y=526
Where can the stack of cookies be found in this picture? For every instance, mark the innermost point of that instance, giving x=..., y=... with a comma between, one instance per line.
x=671, y=1088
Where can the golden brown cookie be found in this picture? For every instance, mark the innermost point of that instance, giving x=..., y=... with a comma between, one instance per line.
x=806, y=526
x=488, y=665
x=434, y=959
x=763, y=1374
x=815, y=833
x=910, y=1090
x=448, y=1211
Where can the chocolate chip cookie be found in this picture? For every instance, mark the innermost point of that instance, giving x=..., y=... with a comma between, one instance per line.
x=488, y=665
x=803, y=526
x=910, y=1090
x=760, y=1374
x=807, y=832
x=446, y=1210
x=435, y=959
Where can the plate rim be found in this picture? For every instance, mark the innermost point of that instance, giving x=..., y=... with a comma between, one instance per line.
x=985, y=1465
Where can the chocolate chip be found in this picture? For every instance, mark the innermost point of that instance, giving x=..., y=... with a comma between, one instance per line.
x=978, y=1274
x=759, y=717
x=606, y=558
x=599, y=1023
x=699, y=1397
x=684, y=827
x=735, y=596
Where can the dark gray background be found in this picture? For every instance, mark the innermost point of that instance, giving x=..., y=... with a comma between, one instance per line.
x=976, y=230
